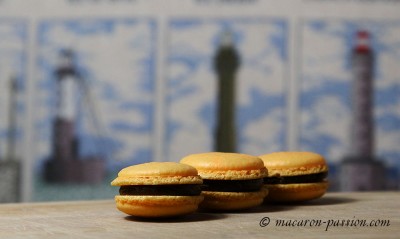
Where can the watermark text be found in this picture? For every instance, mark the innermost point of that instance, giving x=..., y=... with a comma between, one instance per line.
x=326, y=224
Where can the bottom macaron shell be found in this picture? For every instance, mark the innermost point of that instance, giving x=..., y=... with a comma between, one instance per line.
x=232, y=200
x=296, y=192
x=157, y=206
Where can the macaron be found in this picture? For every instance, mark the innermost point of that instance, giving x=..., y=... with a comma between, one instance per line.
x=231, y=181
x=158, y=189
x=295, y=176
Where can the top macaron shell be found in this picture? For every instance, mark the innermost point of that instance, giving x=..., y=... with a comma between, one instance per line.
x=157, y=173
x=226, y=166
x=294, y=163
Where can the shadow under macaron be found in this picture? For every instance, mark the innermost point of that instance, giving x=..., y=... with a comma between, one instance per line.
x=194, y=217
x=263, y=208
x=322, y=201
x=327, y=200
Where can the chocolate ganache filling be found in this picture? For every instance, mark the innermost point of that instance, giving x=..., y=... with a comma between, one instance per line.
x=308, y=178
x=250, y=185
x=161, y=190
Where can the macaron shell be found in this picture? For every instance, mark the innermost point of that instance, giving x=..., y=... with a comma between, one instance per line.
x=295, y=192
x=154, y=180
x=157, y=206
x=233, y=175
x=156, y=173
x=158, y=169
x=232, y=200
x=293, y=163
x=226, y=166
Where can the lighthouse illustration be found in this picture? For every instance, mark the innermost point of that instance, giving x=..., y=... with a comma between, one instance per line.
x=226, y=64
x=362, y=136
x=360, y=170
x=10, y=168
x=65, y=164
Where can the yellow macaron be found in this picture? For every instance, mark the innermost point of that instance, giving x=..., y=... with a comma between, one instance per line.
x=231, y=181
x=158, y=189
x=295, y=176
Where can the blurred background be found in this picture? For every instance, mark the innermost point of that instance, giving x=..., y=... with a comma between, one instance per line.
x=88, y=87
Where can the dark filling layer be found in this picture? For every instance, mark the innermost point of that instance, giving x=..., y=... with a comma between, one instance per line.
x=161, y=190
x=309, y=178
x=232, y=185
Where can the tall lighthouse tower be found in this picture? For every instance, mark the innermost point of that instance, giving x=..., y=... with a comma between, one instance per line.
x=65, y=164
x=360, y=171
x=226, y=64
x=362, y=135
x=10, y=168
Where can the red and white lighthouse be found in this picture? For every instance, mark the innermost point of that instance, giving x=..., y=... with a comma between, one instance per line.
x=360, y=170
x=362, y=135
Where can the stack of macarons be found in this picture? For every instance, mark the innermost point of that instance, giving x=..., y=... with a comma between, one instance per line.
x=219, y=181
